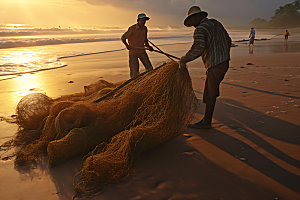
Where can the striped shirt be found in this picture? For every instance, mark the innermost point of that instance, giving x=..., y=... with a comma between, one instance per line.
x=212, y=42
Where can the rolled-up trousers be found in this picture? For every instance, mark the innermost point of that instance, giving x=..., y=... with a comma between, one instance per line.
x=134, y=63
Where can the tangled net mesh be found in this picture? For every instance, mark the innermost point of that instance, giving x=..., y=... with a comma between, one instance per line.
x=31, y=109
x=147, y=111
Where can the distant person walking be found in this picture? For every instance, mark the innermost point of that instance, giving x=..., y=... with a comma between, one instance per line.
x=252, y=37
x=286, y=34
x=212, y=42
x=137, y=41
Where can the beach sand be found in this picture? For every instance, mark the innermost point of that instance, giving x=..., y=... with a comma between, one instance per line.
x=252, y=152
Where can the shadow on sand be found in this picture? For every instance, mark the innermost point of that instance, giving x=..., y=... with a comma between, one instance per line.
x=243, y=120
x=263, y=91
x=175, y=169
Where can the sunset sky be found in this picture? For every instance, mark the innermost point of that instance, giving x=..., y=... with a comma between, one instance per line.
x=121, y=13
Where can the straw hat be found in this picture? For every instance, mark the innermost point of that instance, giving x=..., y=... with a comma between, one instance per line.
x=143, y=15
x=194, y=10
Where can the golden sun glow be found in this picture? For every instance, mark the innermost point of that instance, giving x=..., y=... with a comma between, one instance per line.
x=24, y=56
x=62, y=13
x=26, y=84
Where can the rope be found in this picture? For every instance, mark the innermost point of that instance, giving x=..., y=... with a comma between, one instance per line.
x=111, y=93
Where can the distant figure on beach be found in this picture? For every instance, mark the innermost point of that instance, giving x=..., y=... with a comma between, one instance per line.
x=286, y=34
x=212, y=42
x=252, y=37
x=286, y=37
x=137, y=41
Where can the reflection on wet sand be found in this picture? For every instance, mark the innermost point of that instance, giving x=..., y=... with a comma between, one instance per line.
x=251, y=49
x=285, y=46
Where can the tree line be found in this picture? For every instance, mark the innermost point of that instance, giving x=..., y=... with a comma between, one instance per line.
x=286, y=16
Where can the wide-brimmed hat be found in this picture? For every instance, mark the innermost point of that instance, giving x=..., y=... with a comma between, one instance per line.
x=143, y=15
x=194, y=10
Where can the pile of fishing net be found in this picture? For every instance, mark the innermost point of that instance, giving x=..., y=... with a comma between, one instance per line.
x=128, y=119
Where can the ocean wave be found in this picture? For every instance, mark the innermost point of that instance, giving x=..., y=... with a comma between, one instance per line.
x=43, y=42
x=31, y=42
x=7, y=76
x=37, y=31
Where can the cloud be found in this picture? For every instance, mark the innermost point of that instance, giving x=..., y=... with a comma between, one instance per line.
x=165, y=11
x=172, y=12
x=158, y=6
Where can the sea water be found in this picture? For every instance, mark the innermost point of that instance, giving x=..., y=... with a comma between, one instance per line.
x=27, y=49
x=30, y=49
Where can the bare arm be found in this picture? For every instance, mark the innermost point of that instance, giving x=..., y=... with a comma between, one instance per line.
x=125, y=42
x=125, y=37
x=147, y=42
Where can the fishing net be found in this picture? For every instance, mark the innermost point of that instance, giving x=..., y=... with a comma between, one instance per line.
x=129, y=119
x=31, y=109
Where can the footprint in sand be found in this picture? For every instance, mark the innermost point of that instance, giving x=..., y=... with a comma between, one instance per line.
x=189, y=153
x=187, y=135
x=34, y=89
x=269, y=112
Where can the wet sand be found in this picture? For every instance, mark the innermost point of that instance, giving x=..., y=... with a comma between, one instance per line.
x=252, y=152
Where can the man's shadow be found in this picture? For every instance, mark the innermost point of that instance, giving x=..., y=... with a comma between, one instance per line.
x=243, y=120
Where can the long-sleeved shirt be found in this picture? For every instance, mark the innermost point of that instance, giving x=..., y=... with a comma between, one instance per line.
x=212, y=42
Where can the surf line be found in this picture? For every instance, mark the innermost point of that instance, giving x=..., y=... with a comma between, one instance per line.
x=33, y=71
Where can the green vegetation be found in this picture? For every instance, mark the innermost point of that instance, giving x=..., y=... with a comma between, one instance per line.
x=286, y=16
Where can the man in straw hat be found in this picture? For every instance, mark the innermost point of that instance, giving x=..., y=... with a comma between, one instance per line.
x=212, y=42
x=137, y=40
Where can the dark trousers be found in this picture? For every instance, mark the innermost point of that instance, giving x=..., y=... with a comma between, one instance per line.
x=214, y=77
x=134, y=63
